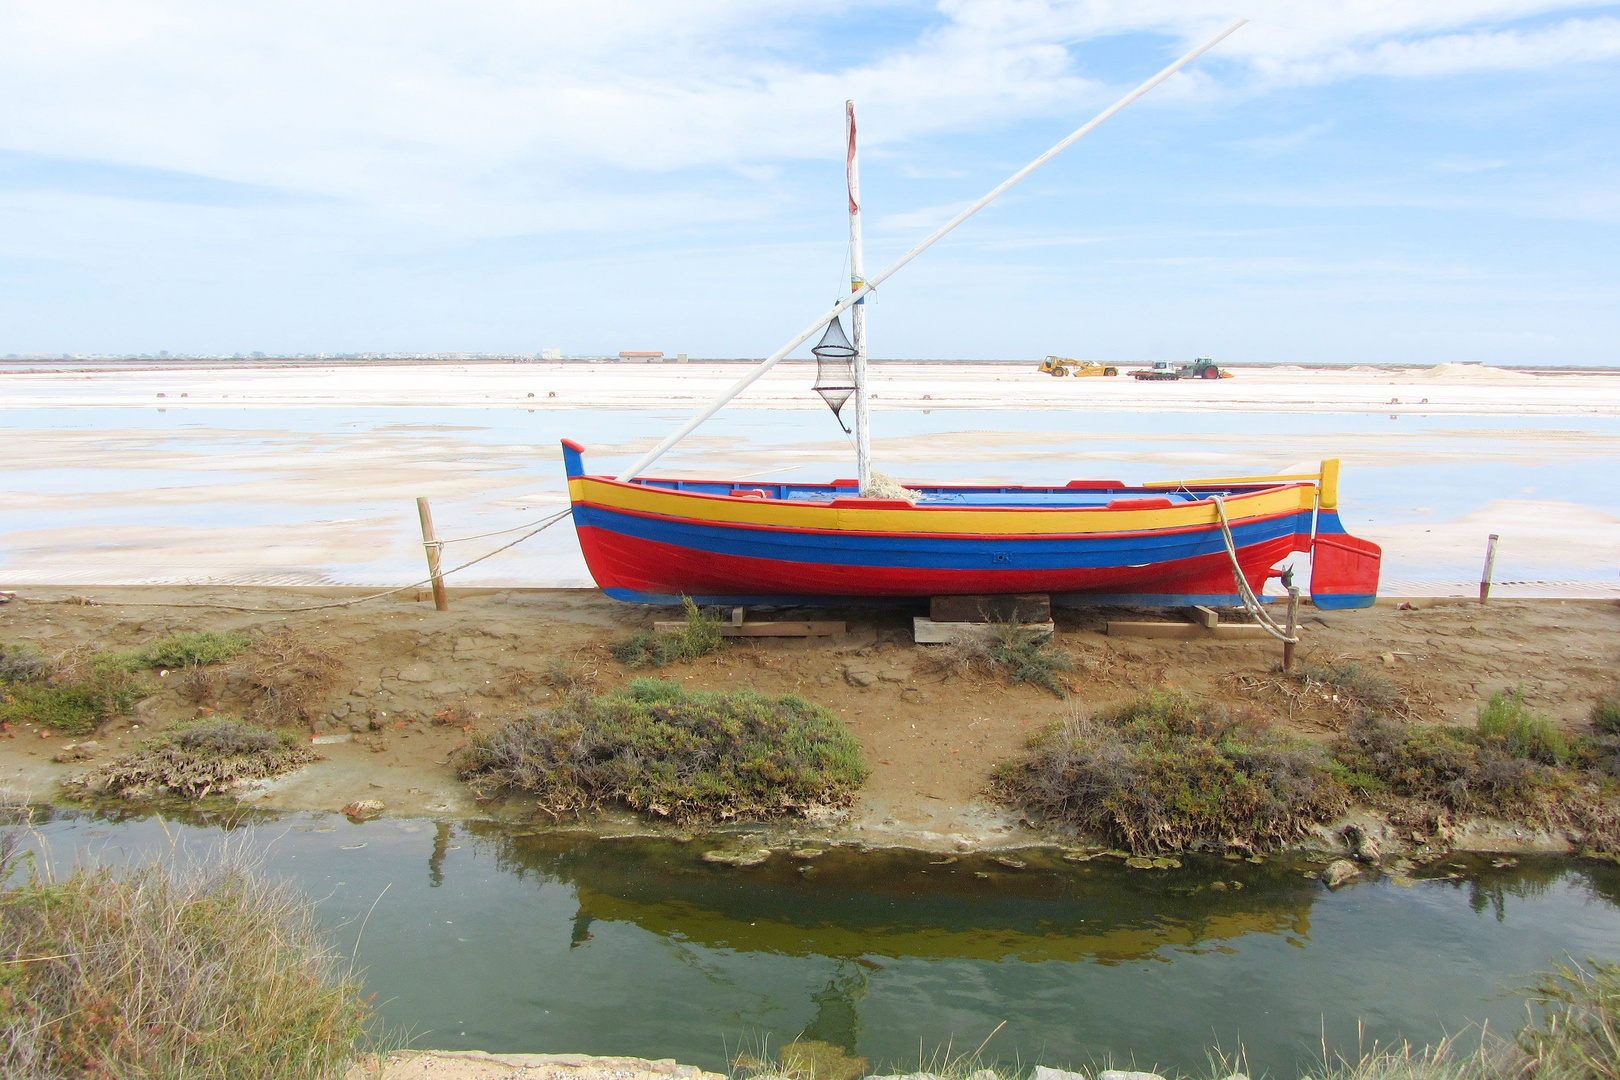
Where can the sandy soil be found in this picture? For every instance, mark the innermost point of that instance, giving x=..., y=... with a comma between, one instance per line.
x=415, y=681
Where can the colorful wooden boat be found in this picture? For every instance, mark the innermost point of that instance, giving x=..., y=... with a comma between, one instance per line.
x=651, y=540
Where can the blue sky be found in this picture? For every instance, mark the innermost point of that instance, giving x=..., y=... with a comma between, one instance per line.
x=1363, y=181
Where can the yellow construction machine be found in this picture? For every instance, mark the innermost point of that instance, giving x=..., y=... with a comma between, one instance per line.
x=1062, y=365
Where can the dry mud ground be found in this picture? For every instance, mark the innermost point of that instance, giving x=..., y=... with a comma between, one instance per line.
x=412, y=682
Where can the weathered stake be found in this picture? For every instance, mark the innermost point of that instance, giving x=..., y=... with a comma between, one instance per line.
x=1293, y=627
x=1490, y=567
x=431, y=542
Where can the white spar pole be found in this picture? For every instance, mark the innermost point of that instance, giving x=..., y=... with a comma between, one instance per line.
x=844, y=305
x=857, y=314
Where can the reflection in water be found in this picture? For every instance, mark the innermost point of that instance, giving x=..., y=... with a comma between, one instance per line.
x=520, y=941
x=851, y=905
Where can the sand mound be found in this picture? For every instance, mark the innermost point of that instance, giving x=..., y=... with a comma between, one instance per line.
x=1475, y=373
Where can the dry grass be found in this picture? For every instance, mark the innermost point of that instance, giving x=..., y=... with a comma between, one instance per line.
x=197, y=759
x=651, y=648
x=289, y=675
x=206, y=972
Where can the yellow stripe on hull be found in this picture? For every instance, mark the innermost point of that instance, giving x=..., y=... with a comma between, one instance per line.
x=1031, y=521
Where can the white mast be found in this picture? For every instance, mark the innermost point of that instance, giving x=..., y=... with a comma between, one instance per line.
x=844, y=305
x=857, y=313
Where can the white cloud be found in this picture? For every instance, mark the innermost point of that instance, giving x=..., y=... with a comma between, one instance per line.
x=494, y=117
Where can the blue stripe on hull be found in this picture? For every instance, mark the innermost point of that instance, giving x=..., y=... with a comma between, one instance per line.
x=1098, y=551
x=1060, y=600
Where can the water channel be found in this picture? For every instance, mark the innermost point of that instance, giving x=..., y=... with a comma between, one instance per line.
x=509, y=939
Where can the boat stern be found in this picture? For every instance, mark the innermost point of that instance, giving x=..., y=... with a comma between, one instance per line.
x=1344, y=568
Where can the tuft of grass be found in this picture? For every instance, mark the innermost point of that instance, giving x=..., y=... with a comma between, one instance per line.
x=1163, y=772
x=197, y=758
x=208, y=972
x=1352, y=682
x=1522, y=732
x=1014, y=650
x=803, y=1059
x=18, y=664
x=685, y=755
x=650, y=648
x=1579, y=1031
x=1605, y=714
x=190, y=649
x=73, y=695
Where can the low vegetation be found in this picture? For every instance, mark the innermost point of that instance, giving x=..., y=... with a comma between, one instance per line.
x=190, y=649
x=287, y=675
x=1605, y=715
x=1512, y=764
x=198, y=758
x=72, y=694
x=683, y=755
x=207, y=973
x=1162, y=773
x=1011, y=650
x=654, y=649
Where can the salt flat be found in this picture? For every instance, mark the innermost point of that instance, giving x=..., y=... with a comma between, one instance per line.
x=308, y=474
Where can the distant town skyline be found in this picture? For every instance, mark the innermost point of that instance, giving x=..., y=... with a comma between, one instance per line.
x=1376, y=182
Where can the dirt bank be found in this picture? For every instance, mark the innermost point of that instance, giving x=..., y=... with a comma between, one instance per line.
x=412, y=682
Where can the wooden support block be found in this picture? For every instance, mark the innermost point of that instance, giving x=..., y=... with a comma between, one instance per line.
x=927, y=631
x=1186, y=631
x=1007, y=607
x=737, y=614
x=1203, y=616
x=763, y=629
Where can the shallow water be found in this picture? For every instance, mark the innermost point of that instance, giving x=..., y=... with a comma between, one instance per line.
x=479, y=936
x=325, y=494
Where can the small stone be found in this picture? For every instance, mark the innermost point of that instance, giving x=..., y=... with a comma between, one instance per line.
x=1166, y=863
x=1388, y=658
x=1138, y=863
x=1504, y=863
x=359, y=724
x=807, y=853
x=860, y=678
x=1043, y=1073
x=1012, y=864
x=77, y=752
x=1218, y=886
x=737, y=858
x=1338, y=872
x=912, y=696
x=364, y=808
x=328, y=740
x=1121, y=1074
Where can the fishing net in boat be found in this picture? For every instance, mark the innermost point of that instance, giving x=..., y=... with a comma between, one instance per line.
x=835, y=369
x=884, y=486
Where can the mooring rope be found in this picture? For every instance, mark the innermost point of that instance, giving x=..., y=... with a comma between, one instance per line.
x=1250, y=602
x=546, y=524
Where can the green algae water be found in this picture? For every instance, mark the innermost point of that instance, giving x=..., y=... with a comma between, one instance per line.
x=478, y=936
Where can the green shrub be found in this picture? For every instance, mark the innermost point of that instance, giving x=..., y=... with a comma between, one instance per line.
x=686, y=755
x=73, y=697
x=197, y=758
x=210, y=973
x=651, y=648
x=1605, y=715
x=190, y=649
x=1460, y=769
x=1523, y=733
x=1163, y=772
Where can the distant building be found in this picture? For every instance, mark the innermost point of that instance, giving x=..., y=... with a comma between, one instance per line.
x=551, y=354
x=640, y=357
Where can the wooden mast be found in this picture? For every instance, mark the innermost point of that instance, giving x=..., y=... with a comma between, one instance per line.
x=857, y=313
x=893, y=268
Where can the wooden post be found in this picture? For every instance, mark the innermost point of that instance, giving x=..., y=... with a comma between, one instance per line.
x=431, y=542
x=1490, y=567
x=1293, y=627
